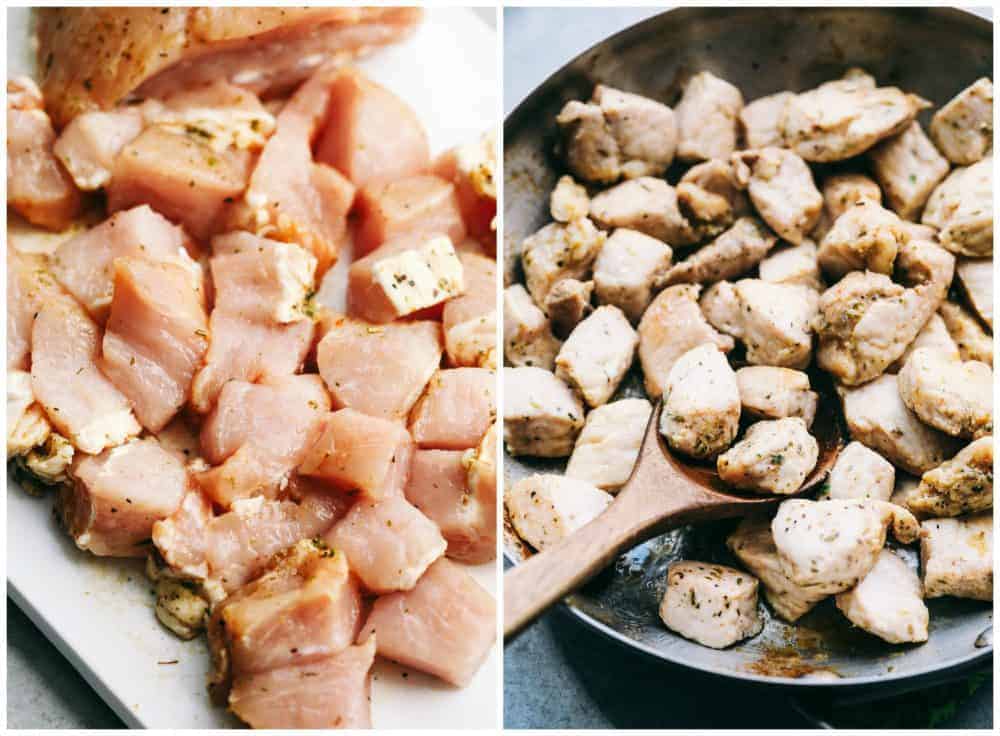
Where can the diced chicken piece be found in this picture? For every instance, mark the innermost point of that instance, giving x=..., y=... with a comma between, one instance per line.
x=976, y=278
x=961, y=208
x=542, y=416
x=956, y=557
x=774, y=321
x=607, y=447
x=781, y=187
x=356, y=452
x=472, y=169
x=118, y=495
x=545, y=509
x=952, y=396
x=734, y=252
x=833, y=544
x=972, y=341
x=701, y=410
x=963, y=128
x=648, y=205
x=709, y=213
x=845, y=117
x=389, y=543
x=27, y=426
x=962, y=485
x=935, y=337
x=865, y=237
x=908, y=167
x=88, y=146
x=181, y=539
x=415, y=205
x=617, y=134
x=626, y=269
x=559, y=251
x=841, y=192
x=38, y=186
x=528, y=340
x=774, y=456
x=469, y=321
x=567, y=304
x=717, y=176
x=456, y=409
x=156, y=337
x=713, y=605
x=761, y=120
x=672, y=325
x=569, y=201
x=753, y=545
x=793, y=264
x=179, y=605
x=707, y=118
x=769, y=392
x=905, y=488
x=861, y=473
x=258, y=434
x=596, y=356
x=888, y=602
x=29, y=287
x=444, y=626
x=877, y=417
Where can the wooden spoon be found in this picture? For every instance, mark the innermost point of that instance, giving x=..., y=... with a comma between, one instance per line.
x=660, y=494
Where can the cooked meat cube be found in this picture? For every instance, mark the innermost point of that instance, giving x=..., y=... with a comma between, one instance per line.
x=753, y=544
x=841, y=192
x=648, y=205
x=545, y=509
x=701, y=409
x=567, y=304
x=469, y=321
x=559, y=251
x=117, y=495
x=877, y=417
x=933, y=336
x=888, y=602
x=781, y=187
x=444, y=626
x=952, y=396
x=956, y=557
x=472, y=169
x=774, y=456
x=761, y=120
x=713, y=605
x=617, y=134
x=542, y=416
x=30, y=286
x=378, y=370
x=672, y=325
x=865, y=237
x=774, y=321
x=793, y=264
x=963, y=128
x=626, y=269
x=961, y=208
x=976, y=278
x=607, y=447
x=972, y=340
x=769, y=392
x=569, y=201
x=707, y=118
x=527, y=338
x=861, y=473
x=709, y=213
x=389, y=544
x=834, y=544
x=596, y=356
x=457, y=408
x=908, y=167
x=735, y=252
x=962, y=485
x=716, y=176
x=905, y=488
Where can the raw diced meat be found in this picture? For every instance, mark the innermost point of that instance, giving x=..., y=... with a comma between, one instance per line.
x=181, y=538
x=862, y=473
x=416, y=205
x=542, y=416
x=597, y=355
x=956, y=557
x=707, y=118
x=456, y=410
x=607, y=447
x=713, y=605
x=469, y=321
x=472, y=169
x=29, y=286
x=88, y=146
x=963, y=128
x=545, y=509
x=774, y=456
x=528, y=341
x=626, y=269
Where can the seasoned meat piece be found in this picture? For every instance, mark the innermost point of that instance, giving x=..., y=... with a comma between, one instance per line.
x=888, y=602
x=877, y=417
x=952, y=396
x=962, y=485
x=626, y=269
x=701, y=410
x=972, y=340
x=547, y=508
x=865, y=237
x=716, y=176
x=27, y=426
x=472, y=169
x=793, y=264
x=527, y=338
x=933, y=336
x=908, y=167
x=457, y=408
x=963, y=128
x=469, y=321
x=541, y=414
x=708, y=212
x=861, y=473
x=414, y=205
x=774, y=456
x=976, y=278
x=648, y=205
x=569, y=201
x=961, y=208
x=774, y=321
x=956, y=557
x=769, y=392
x=567, y=304
x=713, y=605
x=707, y=118
x=841, y=192
x=607, y=447
x=596, y=356
x=559, y=251
x=672, y=325
x=734, y=252
x=781, y=187
x=761, y=120
x=29, y=287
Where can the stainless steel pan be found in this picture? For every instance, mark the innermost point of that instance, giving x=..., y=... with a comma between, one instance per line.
x=933, y=52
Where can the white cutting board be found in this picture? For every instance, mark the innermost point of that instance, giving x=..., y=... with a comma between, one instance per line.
x=98, y=612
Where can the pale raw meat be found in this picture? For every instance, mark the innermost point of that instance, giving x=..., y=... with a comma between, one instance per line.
x=545, y=509
x=713, y=605
x=542, y=416
x=626, y=269
x=949, y=395
x=559, y=251
x=472, y=169
x=908, y=167
x=528, y=341
x=469, y=321
x=456, y=409
x=781, y=187
x=769, y=392
x=956, y=557
x=774, y=456
x=734, y=252
x=961, y=208
x=962, y=485
x=422, y=204
x=707, y=118
x=29, y=286
x=597, y=354
x=963, y=128
x=888, y=602
x=567, y=304
x=864, y=237
x=861, y=473
x=609, y=443
x=88, y=146
x=761, y=120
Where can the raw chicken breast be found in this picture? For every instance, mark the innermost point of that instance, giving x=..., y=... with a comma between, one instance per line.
x=958, y=486
x=472, y=169
x=596, y=356
x=415, y=205
x=768, y=392
x=949, y=395
x=456, y=409
x=774, y=456
x=781, y=187
x=963, y=128
x=469, y=321
x=89, y=145
x=707, y=118
x=626, y=269
x=713, y=605
x=956, y=557
x=888, y=602
x=862, y=473
x=29, y=287
x=545, y=509
x=528, y=341
x=734, y=252
x=609, y=443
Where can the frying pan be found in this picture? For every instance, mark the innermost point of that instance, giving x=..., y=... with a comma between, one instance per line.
x=934, y=52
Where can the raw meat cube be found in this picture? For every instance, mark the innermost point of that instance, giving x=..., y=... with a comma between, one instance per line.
x=456, y=409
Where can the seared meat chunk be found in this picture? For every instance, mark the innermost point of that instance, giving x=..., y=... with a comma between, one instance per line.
x=707, y=118
x=793, y=264
x=713, y=605
x=934, y=336
x=569, y=201
x=861, y=473
x=961, y=208
x=545, y=509
x=567, y=303
x=781, y=187
x=648, y=205
x=956, y=557
x=761, y=120
x=607, y=447
x=559, y=251
x=736, y=251
x=908, y=167
x=769, y=392
x=841, y=191
x=597, y=354
x=865, y=237
x=962, y=485
x=626, y=269
x=972, y=340
x=542, y=416
x=774, y=456
x=888, y=602
x=976, y=278
x=952, y=396
x=528, y=341
x=963, y=128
